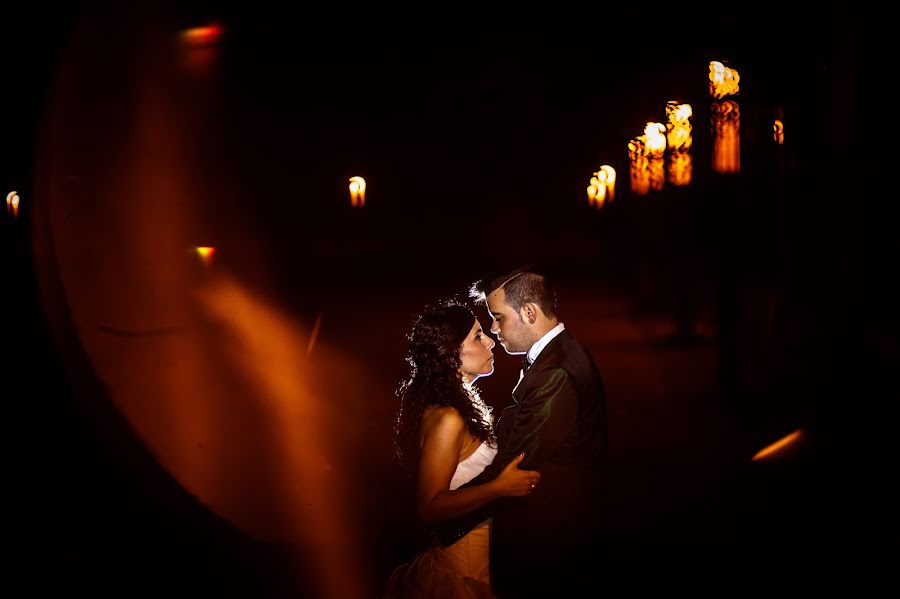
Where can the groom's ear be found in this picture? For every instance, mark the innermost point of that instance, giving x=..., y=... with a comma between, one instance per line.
x=529, y=312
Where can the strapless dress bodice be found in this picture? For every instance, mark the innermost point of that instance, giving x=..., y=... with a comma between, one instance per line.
x=472, y=466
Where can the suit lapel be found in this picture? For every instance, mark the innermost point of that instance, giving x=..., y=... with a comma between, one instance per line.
x=509, y=412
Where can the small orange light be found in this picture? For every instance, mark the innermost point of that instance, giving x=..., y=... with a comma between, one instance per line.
x=12, y=203
x=357, y=191
x=206, y=253
x=610, y=181
x=203, y=36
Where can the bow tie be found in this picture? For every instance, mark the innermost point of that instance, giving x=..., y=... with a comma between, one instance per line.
x=526, y=363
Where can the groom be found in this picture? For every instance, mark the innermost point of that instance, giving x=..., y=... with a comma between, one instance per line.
x=551, y=540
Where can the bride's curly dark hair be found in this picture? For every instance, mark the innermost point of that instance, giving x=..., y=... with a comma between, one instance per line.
x=434, y=347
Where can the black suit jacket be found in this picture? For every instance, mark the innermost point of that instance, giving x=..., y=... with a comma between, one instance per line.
x=559, y=419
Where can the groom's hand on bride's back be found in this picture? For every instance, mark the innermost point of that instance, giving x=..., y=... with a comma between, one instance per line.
x=512, y=482
x=508, y=482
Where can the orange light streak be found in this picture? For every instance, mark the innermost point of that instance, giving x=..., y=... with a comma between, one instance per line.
x=314, y=334
x=778, y=446
x=267, y=349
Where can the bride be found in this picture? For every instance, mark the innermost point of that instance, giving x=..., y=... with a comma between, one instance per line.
x=444, y=433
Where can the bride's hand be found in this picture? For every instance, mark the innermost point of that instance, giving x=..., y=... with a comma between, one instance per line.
x=513, y=482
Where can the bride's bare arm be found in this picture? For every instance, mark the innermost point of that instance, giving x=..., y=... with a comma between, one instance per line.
x=443, y=435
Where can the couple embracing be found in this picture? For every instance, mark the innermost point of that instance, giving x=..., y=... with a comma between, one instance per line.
x=516, y=507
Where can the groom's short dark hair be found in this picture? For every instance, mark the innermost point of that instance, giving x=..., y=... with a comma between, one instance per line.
x=521, y=285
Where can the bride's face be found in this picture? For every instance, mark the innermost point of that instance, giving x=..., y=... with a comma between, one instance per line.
x=475, y=355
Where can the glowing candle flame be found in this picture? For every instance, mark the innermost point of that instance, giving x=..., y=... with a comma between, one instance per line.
x=610, y=173
x=723, y=81
x=314, y=334
x=655, y=139
x=357, y=191
x=778, y=446
x=678, y=126
x=648, y=173
x=596, y=193
x=779, y=132
x=637, y=148
x=602, y=187
x=12, y=203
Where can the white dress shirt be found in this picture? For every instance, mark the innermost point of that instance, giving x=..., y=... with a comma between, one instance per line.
x=541, y=343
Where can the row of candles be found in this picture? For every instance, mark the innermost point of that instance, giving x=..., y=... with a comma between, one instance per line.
x=647, y=152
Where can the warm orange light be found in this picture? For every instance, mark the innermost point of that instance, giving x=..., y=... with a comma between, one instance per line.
x=357, y=191
x=657, y=172
x=202, y=36
x=637, y=148
x=206, y=253
x=654, y=134
x=314, y=334
x=640, y=175
x=726, y=129
x=778, y=446
x=12, y=203
x=602, y=187
x=596, y=192
x=779, y=132
x=610, y=180
x=264, y=349
x=678, y=126
x=652, y=143
x=723, y=81
x=681, y=168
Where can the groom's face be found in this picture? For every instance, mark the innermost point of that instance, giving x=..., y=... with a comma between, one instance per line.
x=513, y=334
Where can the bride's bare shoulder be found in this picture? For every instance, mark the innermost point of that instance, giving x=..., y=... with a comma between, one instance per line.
x=442, y=417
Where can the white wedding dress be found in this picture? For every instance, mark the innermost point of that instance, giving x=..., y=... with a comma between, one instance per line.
x=459, y=571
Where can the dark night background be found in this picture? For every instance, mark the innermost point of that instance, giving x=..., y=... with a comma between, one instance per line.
x=477, y=131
